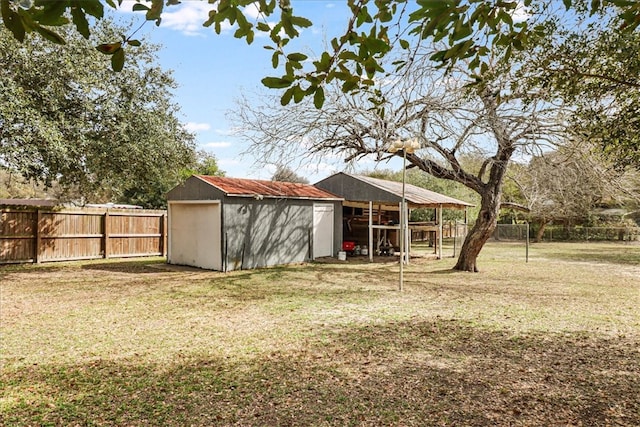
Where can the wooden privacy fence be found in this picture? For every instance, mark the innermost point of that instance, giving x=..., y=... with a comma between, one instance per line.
x=38, y=235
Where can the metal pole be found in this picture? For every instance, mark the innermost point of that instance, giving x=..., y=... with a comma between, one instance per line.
x=404, y=164
x=440, y=232
x=527, y=250
x=370, y=231
x=407, y=234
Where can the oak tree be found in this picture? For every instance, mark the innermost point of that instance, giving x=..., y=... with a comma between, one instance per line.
x=104, y=136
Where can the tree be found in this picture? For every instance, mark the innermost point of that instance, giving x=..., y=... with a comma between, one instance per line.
x=451, y=119
x=101, y=136
x=285, y=174
x=596, y=69
x=205, y=164
x=14, y=186
x=470, y=30
x=566, y=185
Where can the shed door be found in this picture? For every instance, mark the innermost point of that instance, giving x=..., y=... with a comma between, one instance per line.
x=322, y=230
x=195, y=234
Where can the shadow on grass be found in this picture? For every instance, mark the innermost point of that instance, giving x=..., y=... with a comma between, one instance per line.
x=441, y=372
x=137, y=266
x=120, y=265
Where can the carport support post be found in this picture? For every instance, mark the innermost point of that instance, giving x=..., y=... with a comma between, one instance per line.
x=370, y=231
x=407, y=233
x=401, y=239
x=440, y=232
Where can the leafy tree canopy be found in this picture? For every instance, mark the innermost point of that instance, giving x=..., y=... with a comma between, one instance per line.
x=467, y=29
x=102, y=136
x=594, y=68
x=205, y=164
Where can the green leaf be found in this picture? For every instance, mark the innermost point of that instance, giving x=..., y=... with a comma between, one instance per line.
x=286, y=97
x=52, y=13
x=363, y=16
x=301, y=22
x=50, y=35
x=262, y=26
x=155, y=12
x=404, y=44
x=318, y=98
x=139, y=7
x=12, y=21
x=80, y=21
x=350, y=84
x=276, y=82
x=92, y=7
x=117, y=60
x=109, y=48
x=297, y=57
x=298, y=94
x=134, y=43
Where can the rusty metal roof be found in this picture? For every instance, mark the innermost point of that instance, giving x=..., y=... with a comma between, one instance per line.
x=271, y=189
x=414, y=195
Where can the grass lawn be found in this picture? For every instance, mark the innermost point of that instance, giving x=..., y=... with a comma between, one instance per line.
x=555, y=341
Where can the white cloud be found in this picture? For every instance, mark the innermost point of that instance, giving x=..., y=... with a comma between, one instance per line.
x=218, y=144
x=187, y=17
x=520, y=13
x=197, y=127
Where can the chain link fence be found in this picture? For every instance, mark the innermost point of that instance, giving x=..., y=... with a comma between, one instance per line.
x=518, y=232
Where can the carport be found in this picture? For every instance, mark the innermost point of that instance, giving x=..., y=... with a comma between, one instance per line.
x=372, y=206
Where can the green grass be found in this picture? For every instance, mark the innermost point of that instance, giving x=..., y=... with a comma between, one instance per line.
x=554, y=341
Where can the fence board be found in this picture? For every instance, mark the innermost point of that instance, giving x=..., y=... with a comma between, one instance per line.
x=28, y=235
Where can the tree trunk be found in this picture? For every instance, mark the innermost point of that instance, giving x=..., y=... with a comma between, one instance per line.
x=540, y=232
x=481, y=232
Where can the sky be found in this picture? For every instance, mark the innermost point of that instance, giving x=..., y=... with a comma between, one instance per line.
x=212, y=71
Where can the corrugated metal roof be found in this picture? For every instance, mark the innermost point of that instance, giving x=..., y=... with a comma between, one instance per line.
x=413, y=194
x=252, y=188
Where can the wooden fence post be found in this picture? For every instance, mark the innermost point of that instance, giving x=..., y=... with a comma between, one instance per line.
x=38, y=236
x=106, y=234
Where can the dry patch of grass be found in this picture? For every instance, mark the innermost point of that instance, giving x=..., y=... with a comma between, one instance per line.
x=551, y=342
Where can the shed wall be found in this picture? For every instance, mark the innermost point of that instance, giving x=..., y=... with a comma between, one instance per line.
x=268, y=232
x=353, y=189
x=195, y=189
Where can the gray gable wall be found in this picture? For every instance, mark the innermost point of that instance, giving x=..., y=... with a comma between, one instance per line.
x=195, y=189
x=355, y=190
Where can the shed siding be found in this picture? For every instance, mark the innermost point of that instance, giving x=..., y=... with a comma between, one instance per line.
x=195, y=189
x=355, y=190
x=266, y=232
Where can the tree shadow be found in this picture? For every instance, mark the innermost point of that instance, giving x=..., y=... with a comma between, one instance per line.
x=425, y=372
x=137, y=266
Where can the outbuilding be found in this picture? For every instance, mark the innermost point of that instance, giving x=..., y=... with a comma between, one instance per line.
x=374, y=205
x=226, y=224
